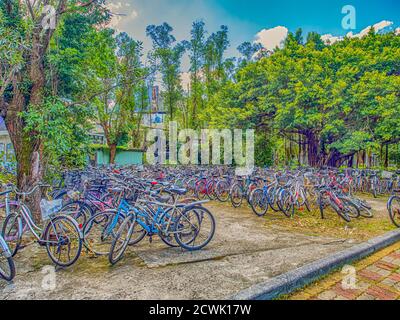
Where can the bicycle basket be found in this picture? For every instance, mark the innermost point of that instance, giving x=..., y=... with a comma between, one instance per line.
x=49, y=208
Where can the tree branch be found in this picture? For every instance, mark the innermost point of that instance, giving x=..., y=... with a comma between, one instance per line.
x=82, y=5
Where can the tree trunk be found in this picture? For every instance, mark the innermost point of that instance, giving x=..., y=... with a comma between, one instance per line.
x=387, y=157
x=113, y=153
x=28, y=152
x=312, y=150
x=300, y=150
x=350, y=162
x=27, y=146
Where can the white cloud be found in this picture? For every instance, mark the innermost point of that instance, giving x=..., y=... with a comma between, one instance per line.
x=121, y=12
x=330, y=39
x=377, y=26
x=272, y=38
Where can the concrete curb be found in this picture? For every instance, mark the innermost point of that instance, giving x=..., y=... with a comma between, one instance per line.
x=298, y=278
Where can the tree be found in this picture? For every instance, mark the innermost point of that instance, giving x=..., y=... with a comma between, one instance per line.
x=248, y=50
x=24, y=80
x=196, y=47
x=167, y=55
x=215, y=47
x=114, y=75
x=315, y=39
x=299, y=36
x=327, y=102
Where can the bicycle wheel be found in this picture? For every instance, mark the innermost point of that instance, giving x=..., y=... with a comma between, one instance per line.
x=211, y=190
x=169, y=238
x=236, y=195
x=394, y=210
x=139, y=232
x=195, y=228
x=222, y=191
x=287, y=205
x=365, y=212
x=78, y=210
x=259, y=202
x=121, y=240
x=201, y=190
x=7, y=267
x=341, y=212
x=272, y=199
x=63, y=240
x=12, y=232
x=190, y=185
x=100, y=230
x=350, y=208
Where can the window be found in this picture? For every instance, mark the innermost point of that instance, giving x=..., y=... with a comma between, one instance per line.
x=2, y=152
x=9, y=152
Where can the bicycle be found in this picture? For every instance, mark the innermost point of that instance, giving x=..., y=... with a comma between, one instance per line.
x=345, y=208
x=60, y=234
x=179, y=222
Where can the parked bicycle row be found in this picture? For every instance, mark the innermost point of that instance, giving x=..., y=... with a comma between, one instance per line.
x=103, y=211
x=103, y=219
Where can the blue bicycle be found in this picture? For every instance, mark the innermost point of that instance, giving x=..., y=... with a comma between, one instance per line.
x=189, y=226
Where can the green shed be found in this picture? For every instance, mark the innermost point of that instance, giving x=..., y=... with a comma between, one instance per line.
x=124, y=157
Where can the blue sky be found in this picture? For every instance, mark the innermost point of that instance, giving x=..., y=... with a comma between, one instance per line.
x=311, y=15
x=247, y=18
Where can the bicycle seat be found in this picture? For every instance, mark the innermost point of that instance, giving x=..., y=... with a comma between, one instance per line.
x=178, y=191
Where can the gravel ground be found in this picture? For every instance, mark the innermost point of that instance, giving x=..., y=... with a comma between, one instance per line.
x=244, y=251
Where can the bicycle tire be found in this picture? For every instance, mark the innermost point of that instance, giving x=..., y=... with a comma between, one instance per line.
x=14, y=239
x=8, y=276
x=117, y=253
x=351, y=208
x=200, y=212
x=257, y=197
x=393, y=212
x=236, y=196
x=47, y=237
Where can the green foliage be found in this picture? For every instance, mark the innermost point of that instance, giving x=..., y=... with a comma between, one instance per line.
x=166, y=57
x=264, y=155
x=327, y=101
x=341, y=98
x=63, y=130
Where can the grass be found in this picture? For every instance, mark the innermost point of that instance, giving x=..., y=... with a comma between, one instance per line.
x=310, y=223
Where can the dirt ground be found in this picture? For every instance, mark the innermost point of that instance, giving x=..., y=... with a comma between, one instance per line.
x=245, y=250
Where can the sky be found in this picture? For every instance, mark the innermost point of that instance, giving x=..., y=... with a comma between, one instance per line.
x=265, y=21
